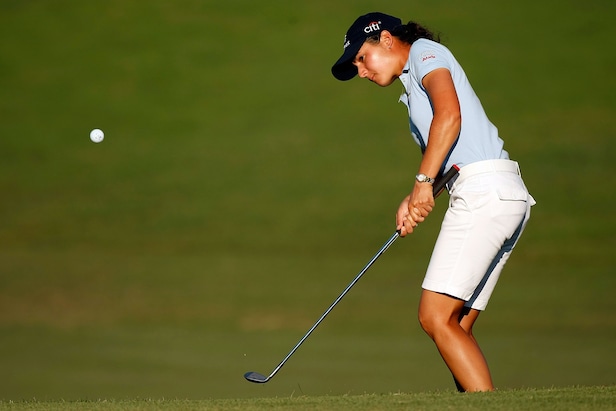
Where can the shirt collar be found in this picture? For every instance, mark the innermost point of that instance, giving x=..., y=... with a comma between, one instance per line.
x=405, y=77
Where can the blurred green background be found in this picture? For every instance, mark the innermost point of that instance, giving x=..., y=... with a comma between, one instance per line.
x=240, y=188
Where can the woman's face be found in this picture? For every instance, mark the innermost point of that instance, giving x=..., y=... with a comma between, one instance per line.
x=376, y=63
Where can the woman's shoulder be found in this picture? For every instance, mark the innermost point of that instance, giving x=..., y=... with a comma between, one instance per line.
x=424, y=50
x=421, y=45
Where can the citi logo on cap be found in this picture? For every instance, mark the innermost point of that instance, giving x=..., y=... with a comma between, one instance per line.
x=374, y=26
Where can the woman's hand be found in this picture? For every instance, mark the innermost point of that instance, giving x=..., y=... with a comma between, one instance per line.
x=414, y=208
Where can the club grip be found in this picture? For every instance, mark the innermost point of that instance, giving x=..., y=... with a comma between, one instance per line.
x=441, y=181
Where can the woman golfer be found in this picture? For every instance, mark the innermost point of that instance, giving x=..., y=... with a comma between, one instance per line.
x=489, y=203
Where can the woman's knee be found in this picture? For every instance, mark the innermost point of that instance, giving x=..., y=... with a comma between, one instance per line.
x=431, y=320
x=438, y=312
x=425, y=322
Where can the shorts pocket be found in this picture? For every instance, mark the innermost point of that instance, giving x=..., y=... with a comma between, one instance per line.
x=512, y=194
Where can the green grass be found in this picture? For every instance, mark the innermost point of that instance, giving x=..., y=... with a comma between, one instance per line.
x=561, y=399
x=240, y=188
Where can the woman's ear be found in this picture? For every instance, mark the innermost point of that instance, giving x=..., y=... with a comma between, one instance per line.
x=387, y=39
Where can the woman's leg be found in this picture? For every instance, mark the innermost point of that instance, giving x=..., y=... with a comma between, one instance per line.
x=450, y=324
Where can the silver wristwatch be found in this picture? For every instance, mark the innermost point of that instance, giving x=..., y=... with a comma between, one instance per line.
x=422, y=178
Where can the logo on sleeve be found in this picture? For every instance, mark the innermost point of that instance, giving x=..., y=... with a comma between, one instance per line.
x=427, y=55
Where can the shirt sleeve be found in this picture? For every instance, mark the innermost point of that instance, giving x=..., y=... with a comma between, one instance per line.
x=427, y=56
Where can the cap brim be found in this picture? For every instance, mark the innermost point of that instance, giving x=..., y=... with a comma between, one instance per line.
x=344, y=69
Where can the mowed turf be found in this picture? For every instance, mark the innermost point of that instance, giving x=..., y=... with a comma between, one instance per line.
x=561, y=399
x=240, y=188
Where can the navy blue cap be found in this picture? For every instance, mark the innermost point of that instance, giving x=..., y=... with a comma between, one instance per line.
x=365, y=26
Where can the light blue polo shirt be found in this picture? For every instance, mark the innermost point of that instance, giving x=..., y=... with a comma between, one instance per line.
x=478, y=139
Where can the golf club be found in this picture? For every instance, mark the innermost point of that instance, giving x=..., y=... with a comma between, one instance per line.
x=256, y=377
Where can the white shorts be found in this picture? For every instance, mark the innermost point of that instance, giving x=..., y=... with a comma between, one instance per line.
x=489, y=207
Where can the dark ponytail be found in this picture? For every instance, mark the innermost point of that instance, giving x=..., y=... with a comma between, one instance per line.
x=412, y=31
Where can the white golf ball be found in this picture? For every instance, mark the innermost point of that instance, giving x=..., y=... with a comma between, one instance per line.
x=97, y=135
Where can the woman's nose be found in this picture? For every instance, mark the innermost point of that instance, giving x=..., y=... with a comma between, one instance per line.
x=362, y=72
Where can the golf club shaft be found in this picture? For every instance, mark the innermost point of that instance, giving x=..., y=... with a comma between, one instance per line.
x=438, y=186
x=331, y=307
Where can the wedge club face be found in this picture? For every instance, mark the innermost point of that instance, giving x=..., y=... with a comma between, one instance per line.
x=256, y=377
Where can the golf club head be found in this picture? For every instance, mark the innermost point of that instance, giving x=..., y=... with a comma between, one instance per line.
x=256, y=377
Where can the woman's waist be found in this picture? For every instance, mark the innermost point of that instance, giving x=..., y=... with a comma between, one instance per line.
x=488, y=166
